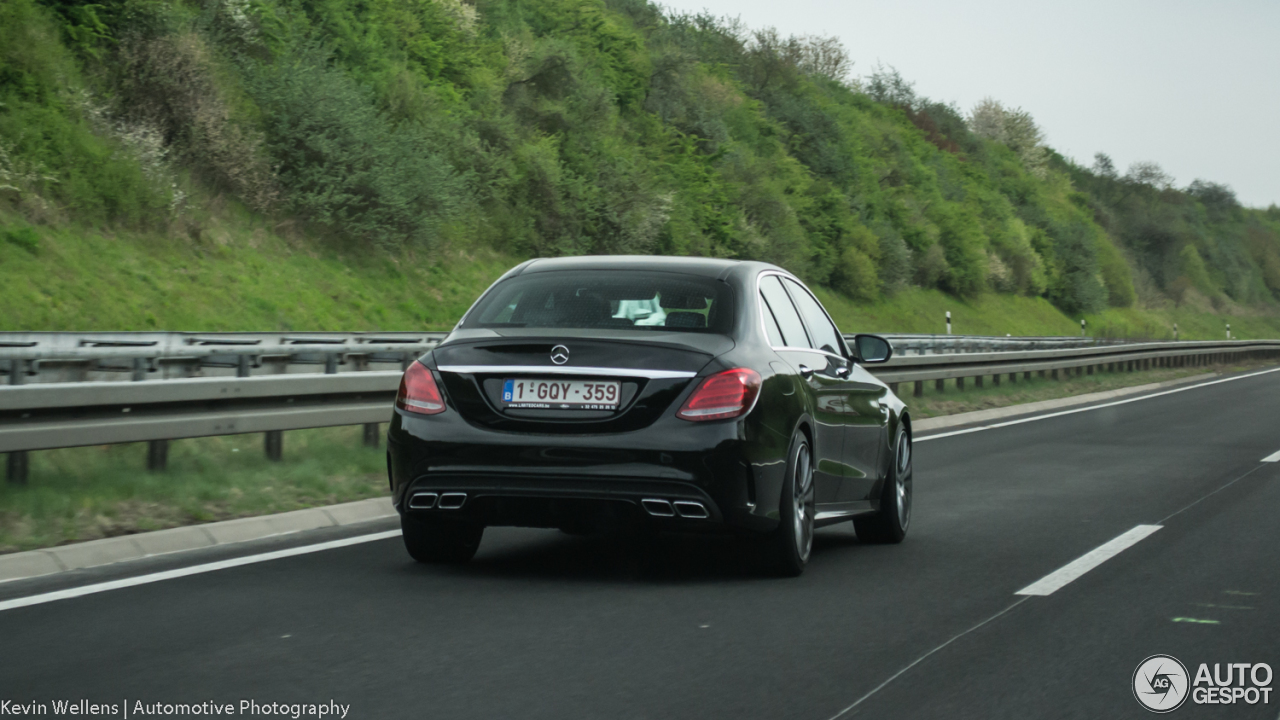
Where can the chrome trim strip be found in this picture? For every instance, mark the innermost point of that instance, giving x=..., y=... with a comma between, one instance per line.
x=828, y=514
x=567, y=370
x=810, y=350
x=764, y=328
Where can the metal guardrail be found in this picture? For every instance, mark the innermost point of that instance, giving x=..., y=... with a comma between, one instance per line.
x=916, y=344
x=1133, y=356
x=56, y=357
x=50, y=415
x=78, y=357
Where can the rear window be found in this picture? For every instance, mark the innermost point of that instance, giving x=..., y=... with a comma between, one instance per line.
x=617, y=299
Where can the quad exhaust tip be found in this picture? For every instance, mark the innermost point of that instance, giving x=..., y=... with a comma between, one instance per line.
x=452, y=501
x=439, y=501
x=658, y=508
x=423, y=501
x=690, y=509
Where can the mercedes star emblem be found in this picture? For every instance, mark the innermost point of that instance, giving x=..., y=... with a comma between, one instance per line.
x=559, y=354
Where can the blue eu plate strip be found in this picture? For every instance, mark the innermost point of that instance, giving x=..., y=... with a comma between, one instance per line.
x=506, y=390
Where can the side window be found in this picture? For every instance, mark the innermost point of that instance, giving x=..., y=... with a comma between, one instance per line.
x=784, y=312
x=824, y=334
x=771, y=324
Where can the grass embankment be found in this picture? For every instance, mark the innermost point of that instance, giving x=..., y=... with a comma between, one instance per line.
x=88, y=493
x=241, y=276
x=238, y=276
x=924, y=311
x=952, y=401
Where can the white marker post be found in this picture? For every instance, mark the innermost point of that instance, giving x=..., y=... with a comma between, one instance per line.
x=1081, y=327
x=948, y=322
x=1175, y=332
x=1228, y=331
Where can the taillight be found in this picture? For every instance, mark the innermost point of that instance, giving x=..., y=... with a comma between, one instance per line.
x=726, y=394
x=418, y=391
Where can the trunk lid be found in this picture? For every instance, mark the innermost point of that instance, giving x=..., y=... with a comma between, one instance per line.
x=651, y=370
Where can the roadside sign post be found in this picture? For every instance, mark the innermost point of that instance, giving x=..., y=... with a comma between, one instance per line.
x=948, y=322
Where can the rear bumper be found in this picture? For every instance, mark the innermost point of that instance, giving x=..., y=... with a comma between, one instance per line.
x=576, y=480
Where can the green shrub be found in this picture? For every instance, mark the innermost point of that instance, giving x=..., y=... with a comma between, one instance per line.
x=24, y=237
x=343, y=164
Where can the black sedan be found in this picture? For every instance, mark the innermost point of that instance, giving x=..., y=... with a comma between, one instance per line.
x=687, y=394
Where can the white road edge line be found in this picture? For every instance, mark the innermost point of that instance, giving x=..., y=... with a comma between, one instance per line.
x=1273, y=457
x=1056, y=580
x=193, y=570
x=1091, y=407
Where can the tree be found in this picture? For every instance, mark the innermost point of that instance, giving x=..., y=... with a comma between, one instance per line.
x=1219, y=200
x=825, y=57
x=1103, y=166
x=1014, y=128
x=886, y=86
x=1145, y=172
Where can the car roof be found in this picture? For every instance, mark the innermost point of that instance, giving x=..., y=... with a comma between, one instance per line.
x=709, y=267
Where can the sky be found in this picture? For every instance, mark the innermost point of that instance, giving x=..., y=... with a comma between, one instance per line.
x=1192, y=86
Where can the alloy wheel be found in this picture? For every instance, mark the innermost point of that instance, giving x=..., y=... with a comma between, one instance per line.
x=803, y=503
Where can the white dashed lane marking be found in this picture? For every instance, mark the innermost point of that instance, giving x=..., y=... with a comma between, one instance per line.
x=1057, y=579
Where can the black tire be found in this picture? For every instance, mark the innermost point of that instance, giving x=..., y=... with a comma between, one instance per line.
x=792, y=543
x=437, y=541
x=890, y=523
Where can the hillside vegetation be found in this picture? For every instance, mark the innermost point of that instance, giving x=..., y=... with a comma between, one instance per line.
x=254, y=164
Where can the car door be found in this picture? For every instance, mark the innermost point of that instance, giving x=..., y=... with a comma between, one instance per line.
x=862, y=417
x=820, y=375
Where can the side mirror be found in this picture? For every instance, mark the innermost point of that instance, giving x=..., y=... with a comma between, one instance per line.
x=870, y=349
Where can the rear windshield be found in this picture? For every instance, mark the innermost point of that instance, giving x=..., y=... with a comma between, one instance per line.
x=626, y=299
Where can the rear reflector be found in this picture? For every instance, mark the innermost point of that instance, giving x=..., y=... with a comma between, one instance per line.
x=724, y=395
x=418, y=391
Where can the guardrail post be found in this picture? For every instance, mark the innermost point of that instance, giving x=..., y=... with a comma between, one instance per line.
x=995, y=379
x=919, y=391
x=1013, y=377
x=371, y=435
x=330, y=363
x=1054, y=373
x=274, y=444
x=940, y=385
x=977, y=381
x=157, y=455
x=17, y=462
x=18, y=468
x=960, y=383
x=242, y=366
x=1088, y=370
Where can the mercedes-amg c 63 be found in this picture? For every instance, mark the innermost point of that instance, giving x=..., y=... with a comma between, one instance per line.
x=626, y=392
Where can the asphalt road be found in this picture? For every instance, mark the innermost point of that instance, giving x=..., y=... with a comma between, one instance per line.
x=543, y=625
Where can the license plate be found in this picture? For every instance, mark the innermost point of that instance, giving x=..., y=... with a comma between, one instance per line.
x=561, y=394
